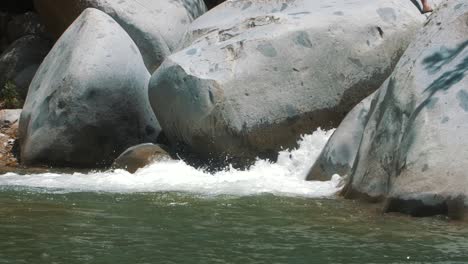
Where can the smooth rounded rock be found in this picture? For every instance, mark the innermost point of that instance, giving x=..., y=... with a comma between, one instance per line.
x=414, y=145
x=88, y=101
x=155, y=26
x=140, y=156
x=256, y=75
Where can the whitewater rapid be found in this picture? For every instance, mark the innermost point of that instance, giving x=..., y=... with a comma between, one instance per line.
x=286, y=177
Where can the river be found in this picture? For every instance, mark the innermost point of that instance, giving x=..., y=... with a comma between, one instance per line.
x=171, y=212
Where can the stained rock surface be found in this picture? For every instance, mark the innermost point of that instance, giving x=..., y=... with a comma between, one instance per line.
x=255, y=75
x=338, y=156
x=414, y=145
x=88, y=101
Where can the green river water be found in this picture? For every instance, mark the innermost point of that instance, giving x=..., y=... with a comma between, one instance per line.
x=173, y=227
x=171, y=212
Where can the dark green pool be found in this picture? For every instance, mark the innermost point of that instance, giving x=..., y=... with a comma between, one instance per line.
x=38, y=227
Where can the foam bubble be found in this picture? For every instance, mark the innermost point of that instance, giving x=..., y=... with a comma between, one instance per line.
x=286, y=177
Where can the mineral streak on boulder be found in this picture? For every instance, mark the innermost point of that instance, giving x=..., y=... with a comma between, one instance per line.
x=255, y=75
x=140, y=156
x=156, y=26
x=338, y=155
x=414, y=145
x=88, y=101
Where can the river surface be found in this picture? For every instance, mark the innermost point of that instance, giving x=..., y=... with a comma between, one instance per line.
x=170, y=212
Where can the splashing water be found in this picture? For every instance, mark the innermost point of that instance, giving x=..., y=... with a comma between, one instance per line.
x=286, y=177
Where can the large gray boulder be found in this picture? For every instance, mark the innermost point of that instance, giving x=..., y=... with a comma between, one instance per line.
x=414, y=146
x=258, y=74
x=156, y=26
x=88, y=101
x=20, y=61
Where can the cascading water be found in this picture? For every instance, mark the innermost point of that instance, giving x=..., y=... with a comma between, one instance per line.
x=284, y=177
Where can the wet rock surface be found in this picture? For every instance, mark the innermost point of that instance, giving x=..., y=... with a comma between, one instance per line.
x=88, y=101
x=140, y=156
x=255, y=75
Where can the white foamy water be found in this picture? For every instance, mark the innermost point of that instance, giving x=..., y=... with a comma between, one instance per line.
x=286, y=177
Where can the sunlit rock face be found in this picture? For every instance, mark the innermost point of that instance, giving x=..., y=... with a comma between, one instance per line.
x=414, y=145
x=88, y=101
x=255, y=75
x=156, y=26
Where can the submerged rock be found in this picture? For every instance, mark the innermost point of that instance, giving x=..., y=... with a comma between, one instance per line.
x=258, y=74
x=414, y=145
x=88, y=101
x=156, y=26
x=140, y=156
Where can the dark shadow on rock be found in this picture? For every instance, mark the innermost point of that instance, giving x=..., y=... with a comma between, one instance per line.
x=453, y=207
x=443, y=83
x=416, y=3
x=16, y=6
x=437, y=60
x=213, y=3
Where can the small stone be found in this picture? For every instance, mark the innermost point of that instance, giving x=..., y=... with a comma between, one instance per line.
x=140, y=156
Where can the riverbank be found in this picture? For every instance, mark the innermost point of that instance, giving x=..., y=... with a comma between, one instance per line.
x=8, y=133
